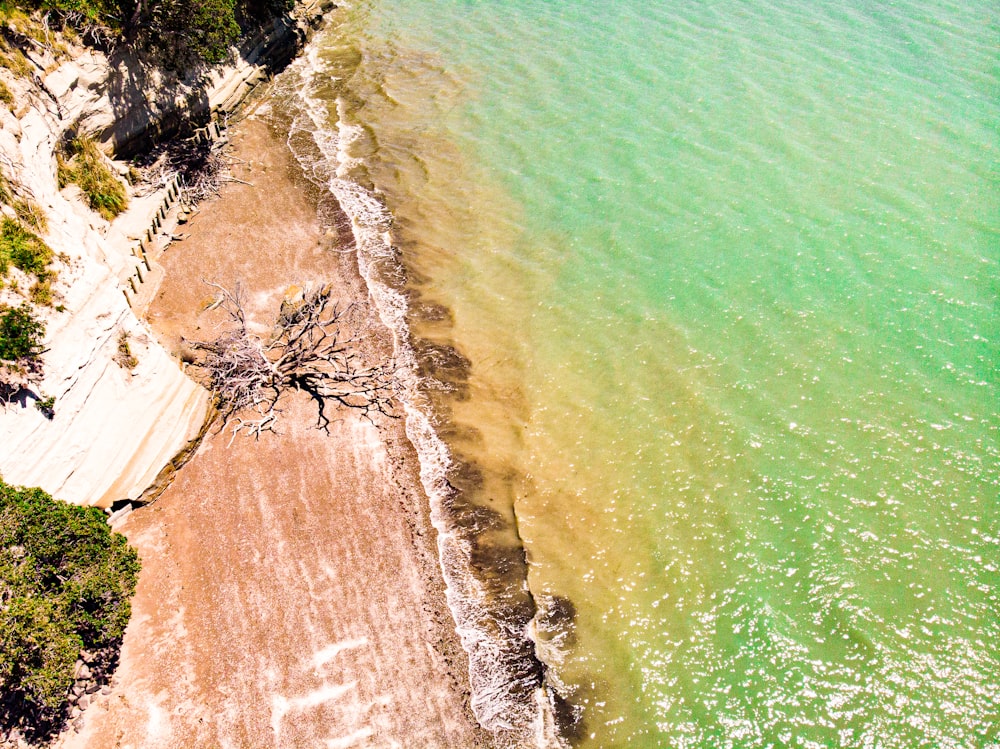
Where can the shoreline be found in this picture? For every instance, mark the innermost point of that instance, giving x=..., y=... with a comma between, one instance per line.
x=481, y=555
x=265, y=617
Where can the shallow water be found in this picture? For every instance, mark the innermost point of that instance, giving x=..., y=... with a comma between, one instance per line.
x=721, y=285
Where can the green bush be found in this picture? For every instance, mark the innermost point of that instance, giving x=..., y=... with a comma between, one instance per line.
x=21, y=334
x=189, y=31
x=104, y=193
x=65, y=585
x=47, y=406
x=180, y=33
x=22, y=248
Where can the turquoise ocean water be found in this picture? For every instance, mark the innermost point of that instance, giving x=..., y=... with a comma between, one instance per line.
x=704, y=301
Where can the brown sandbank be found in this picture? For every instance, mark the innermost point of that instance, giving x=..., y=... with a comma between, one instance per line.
x=290, y=594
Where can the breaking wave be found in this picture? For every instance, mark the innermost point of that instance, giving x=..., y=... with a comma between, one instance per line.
x=510, y=697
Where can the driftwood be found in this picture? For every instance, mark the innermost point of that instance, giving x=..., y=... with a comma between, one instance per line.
x=201, y=166
x=310, y=348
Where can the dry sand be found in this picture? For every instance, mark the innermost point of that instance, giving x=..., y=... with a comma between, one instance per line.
x=290, y=594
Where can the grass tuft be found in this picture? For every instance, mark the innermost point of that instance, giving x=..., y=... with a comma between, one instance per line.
x=22, y=249
x=124, y=357
x=31, y=213
x=41, y=292
x=88, y=169
x=16, y=63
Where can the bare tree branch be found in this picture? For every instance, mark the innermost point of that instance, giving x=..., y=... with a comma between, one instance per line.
x=200, y=164
x=310, y=348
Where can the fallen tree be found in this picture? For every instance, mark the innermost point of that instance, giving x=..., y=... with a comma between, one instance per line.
x=311, y=348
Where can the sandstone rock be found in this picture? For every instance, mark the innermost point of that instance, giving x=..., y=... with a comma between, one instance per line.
x=110, y=434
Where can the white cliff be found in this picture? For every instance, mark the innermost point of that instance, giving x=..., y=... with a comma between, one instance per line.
x=114, y=428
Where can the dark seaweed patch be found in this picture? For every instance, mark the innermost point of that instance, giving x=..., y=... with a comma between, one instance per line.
x=568, y=717
x=441, y=361
x=334, y=217
x=502, y=562
x=472, y=519
x=454, y=433
x=556, y=616
x=465, y=476
x=430, y=312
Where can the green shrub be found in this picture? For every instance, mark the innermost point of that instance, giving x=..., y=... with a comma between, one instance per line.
x=22, y=248
x=5, y=95
x=180, y=33
x=47, y=406
x=104, y=193
x=65, y=582
x=21, y=334
x=194, y=30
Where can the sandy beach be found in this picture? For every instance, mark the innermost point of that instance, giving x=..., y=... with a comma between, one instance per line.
x=290, y=594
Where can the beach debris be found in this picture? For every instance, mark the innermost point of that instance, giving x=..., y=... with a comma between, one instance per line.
x=312, y=347
x=200, y=164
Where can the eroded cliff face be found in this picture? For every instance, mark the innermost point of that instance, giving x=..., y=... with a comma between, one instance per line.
x=115, y=426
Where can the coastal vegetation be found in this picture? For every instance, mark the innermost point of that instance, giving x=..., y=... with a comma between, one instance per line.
x=25, y=274
x=177, y=33
x=66, y=581
x=85, y=165
x=124, y=357
x=23, y=249
x=20, y=334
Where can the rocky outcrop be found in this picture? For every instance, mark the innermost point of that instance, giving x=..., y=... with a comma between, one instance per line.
x=115, y=426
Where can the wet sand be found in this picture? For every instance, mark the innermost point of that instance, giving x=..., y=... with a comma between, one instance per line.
x=290, y=594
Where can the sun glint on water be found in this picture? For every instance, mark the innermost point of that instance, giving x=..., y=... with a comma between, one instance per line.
x=726, y=274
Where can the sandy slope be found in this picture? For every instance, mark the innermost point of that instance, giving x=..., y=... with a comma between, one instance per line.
x=289, y=595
